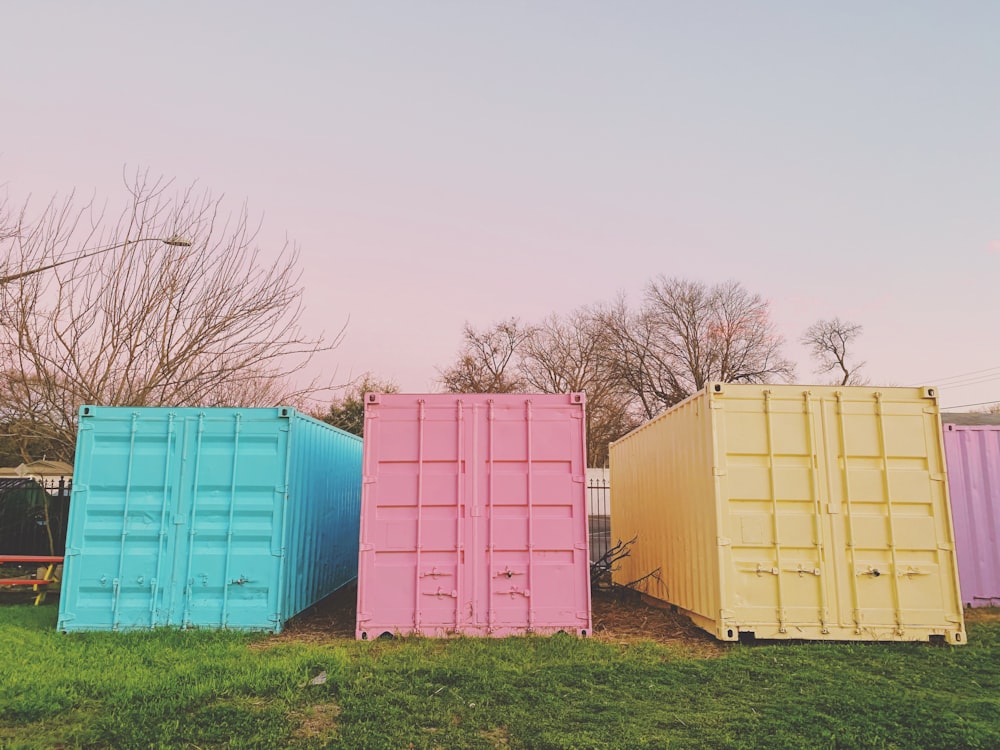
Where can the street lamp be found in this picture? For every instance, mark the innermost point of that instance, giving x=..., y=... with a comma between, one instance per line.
x=172, y=241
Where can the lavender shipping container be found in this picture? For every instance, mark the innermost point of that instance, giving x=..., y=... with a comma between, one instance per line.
x=973, y=458
x=473, y=515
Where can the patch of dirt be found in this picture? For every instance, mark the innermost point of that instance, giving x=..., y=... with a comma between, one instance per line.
x=329, y=619
x=619, y=616
x=982, y=614
x=317, y=721
x=624, y=616
x=498, y=737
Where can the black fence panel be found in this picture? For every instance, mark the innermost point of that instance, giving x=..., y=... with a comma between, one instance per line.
x=599, y=517
x=33, y=516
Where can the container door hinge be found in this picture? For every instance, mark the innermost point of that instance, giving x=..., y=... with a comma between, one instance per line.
x=579, y=479
x=370, y=480
x=945, y=547
x=582, y=616
x=364, y=616
x=71, y=551
x=724, y=541
x=937, y=477
x=580, y=545
x=366, y=547
x=718, y=471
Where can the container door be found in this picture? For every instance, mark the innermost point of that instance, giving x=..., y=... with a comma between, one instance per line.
x=772, y=482
x=118, y=557
x=177, y=519
x=889, y=519
x=414, y=515
x=838, y=519
x=473, y=518
x=531, y=523
x=226, y=562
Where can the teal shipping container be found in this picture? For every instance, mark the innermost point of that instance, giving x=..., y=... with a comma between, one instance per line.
x=207, y=518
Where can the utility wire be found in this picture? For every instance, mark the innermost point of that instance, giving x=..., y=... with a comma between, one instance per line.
x=964, y=383
x=963, y=406
x=962, y=376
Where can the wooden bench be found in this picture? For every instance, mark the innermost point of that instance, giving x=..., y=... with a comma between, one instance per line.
x=39, y=585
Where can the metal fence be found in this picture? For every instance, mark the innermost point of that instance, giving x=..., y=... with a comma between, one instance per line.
x=33, y=515
x=599, y=516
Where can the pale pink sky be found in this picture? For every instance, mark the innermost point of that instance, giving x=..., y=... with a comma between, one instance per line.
x=448, y=161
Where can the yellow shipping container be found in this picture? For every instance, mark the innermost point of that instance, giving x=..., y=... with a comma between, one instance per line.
x=791, y=511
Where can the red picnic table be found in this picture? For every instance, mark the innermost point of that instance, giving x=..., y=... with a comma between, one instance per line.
x=39, y=585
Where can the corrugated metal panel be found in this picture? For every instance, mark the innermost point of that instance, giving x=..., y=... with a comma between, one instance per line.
x=973, y=454
x=233, y=518
x=794, y=512
x=473, y=516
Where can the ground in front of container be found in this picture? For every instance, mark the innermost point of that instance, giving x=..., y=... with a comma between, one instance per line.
x=203, y=688
x=982, y=614
x=619, y=616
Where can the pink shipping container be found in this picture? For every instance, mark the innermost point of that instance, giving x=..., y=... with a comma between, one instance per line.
x=973, y=459
x=473, y=515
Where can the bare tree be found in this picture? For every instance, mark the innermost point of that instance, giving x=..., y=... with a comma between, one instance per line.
x=688, y=334
x=488, y=360
x=348, y=411
x=8, y=225
x=633, y=358
x=143, y=324
x=566, y=354
x=829, y=341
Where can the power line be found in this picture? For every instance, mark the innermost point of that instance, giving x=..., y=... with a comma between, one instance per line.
x=960, y=376
x=963, y=406
x=971, y=381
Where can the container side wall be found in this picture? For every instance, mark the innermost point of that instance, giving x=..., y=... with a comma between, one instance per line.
x=323, y=507
x=665, y=498
x=473, y=515
x=973, y=454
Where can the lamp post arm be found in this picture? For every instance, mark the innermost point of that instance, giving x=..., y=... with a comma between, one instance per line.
x=172, y=241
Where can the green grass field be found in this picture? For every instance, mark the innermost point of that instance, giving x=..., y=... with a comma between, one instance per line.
x=222, y=689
